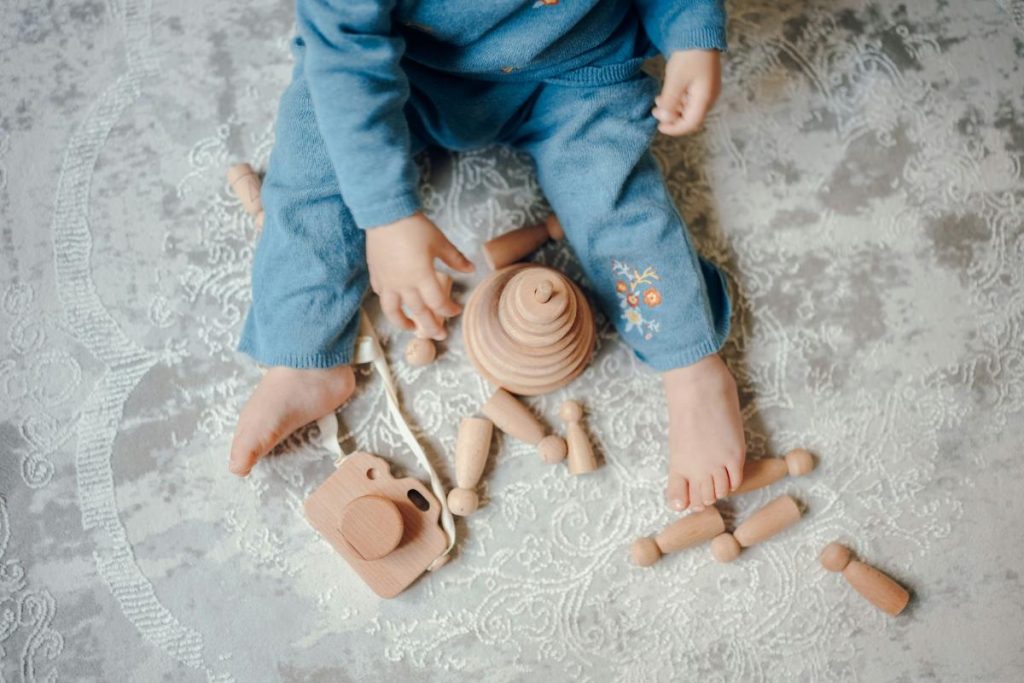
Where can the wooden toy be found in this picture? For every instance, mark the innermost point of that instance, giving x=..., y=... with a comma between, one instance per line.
x=776, y=516
x=581, y=453
x=528, y=329
x=471, y=447
x=420, y=350
x=688, y=531
x=512, y=417
x=515, y=245
x=385, y=528
x=879, y=589
x=760, y=473
x=245, y=183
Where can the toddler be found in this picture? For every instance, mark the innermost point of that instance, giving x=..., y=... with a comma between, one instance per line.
x=375, y=82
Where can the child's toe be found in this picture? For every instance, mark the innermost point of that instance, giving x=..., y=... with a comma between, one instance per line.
x=677, y=492
x=707, y=491
x=721, y=481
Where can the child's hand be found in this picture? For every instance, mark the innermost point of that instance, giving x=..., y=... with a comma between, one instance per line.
x=705, y=434
x=400, y=257
x=693, y=79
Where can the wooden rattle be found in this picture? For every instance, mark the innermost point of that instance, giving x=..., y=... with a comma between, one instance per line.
x=385, y=528
x=878, y=588
x=683, y=533
x=471, y=447
x=528, y=329
x=245, y=183
x=512, y=417
x=776, y=516
x=420, y=350
x=515, y=245
x=581, y=453
x=760, y=473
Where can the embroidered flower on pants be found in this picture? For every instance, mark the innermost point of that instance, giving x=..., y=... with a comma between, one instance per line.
x=633, y=288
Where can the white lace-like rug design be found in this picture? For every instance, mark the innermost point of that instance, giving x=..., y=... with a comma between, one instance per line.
x=861, y=183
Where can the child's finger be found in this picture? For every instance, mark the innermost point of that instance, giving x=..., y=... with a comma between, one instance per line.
x=438, y=300
x=391, y=304
x=664, y=115
x=426, y=322
x=456, y=259
x=695, y=110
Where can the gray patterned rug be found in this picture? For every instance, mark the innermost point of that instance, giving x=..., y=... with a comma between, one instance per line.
x=862, y=183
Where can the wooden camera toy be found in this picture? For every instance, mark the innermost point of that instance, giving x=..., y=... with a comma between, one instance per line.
x=385, y=528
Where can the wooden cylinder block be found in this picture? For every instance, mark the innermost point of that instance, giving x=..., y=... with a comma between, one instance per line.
x=688, y=531
x=471, y=447
x=245, y=183
x=515, y=419
x=776, y=516
x=516, y=245
x=878, y=588
x=580, y=452
x=528, y=329
x=760, y=473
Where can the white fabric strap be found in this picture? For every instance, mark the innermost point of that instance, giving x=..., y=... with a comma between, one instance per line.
x=368, y=350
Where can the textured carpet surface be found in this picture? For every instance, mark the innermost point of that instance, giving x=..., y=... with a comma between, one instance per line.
x=861, y=183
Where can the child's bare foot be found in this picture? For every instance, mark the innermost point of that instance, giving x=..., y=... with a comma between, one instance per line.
x=285, y=400
x=705, y=434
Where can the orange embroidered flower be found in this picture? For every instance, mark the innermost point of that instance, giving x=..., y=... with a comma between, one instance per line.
x=633, y=300
x=652, y=297
x=621, y=286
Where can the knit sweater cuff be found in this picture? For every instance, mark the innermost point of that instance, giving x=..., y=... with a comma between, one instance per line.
x=703, y=38
x=374, y=214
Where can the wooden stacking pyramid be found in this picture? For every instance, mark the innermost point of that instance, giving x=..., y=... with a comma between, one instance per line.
x=528, y=329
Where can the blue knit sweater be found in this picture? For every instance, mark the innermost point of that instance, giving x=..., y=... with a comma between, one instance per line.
x=354, y=51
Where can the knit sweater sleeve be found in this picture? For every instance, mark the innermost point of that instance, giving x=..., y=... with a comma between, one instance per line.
x=359, y=90
x=674, y=25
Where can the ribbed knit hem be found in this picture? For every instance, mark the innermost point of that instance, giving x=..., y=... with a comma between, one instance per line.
x=680, y=359
x=375, y=214
x=299, y=361
x=706, y=38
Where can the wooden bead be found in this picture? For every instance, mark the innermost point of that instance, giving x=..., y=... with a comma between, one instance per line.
x=372, y=525
x=685, y=532
x=528, y=329
x=878, y=588
x=471, y=448
x=245, y=183
x=581, y=453
x=513, y=246
x=552, y=449
x=760, y=473
x=420, y=352
x=776, y=516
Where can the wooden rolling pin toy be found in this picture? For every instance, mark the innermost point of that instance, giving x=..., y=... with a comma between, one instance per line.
x=420, y=350
x=512, y=417
x=245, y=183
x=683, y=533
x=760, y=473
x=879, y=589
x=471, y=447
x=581, y=453
x=776, y=516
x=513, y=246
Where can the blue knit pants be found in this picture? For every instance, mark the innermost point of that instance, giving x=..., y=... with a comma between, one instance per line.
x=590, y=143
